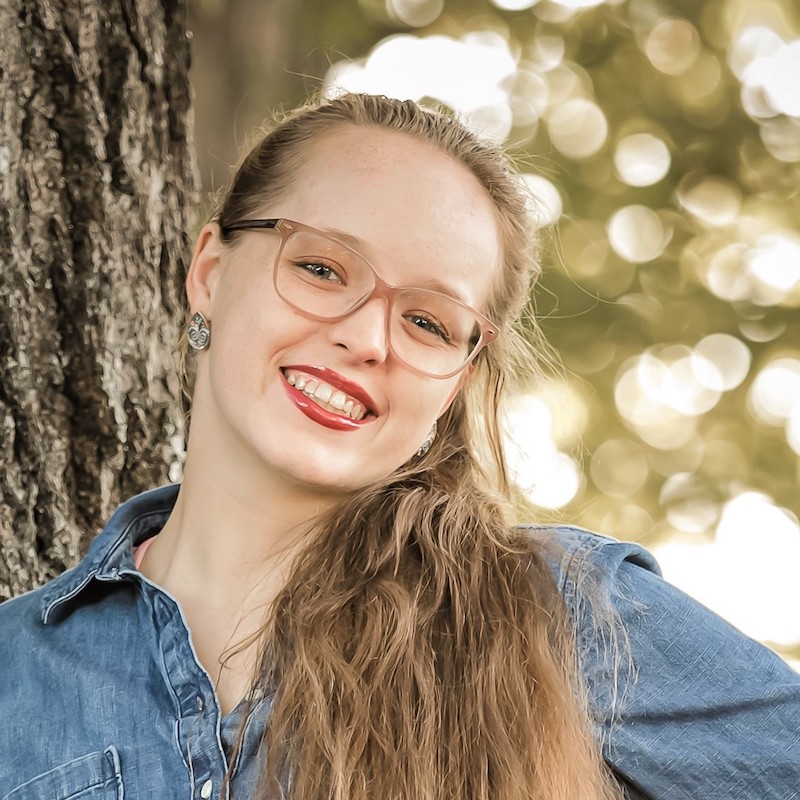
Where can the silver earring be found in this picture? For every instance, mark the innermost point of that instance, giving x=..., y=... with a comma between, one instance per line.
x=426, y=445
x=199, y=332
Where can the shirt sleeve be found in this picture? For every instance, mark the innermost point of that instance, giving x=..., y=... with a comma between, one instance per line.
x=686, y=705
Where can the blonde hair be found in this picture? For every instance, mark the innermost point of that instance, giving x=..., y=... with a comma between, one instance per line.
x=420, y=647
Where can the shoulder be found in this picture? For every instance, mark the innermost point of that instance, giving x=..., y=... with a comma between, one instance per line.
x=29, y=623
x=585, y=563
x=604, y=552
x=17, y=615
x=604, y=579
x=24, y=612
x=685, y=704
x=23, y=630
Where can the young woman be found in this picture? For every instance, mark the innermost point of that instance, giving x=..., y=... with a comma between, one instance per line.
x=333, y=603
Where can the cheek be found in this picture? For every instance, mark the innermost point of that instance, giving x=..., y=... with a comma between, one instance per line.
x=252, y=322
x=240, y=355
x=423, y=401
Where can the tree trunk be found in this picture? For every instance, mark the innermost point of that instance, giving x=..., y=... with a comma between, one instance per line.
x=97, y=184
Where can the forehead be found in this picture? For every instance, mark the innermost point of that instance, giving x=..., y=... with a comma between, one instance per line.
x=413, y=211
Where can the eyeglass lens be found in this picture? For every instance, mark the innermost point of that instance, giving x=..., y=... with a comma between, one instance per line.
x=327, y=280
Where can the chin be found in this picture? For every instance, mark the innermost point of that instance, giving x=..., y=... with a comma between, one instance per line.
x=322, y=479
x=343, y=484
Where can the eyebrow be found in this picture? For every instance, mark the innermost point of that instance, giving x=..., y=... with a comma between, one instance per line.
x=347, y=237
x=444, y=288
x=432, y=283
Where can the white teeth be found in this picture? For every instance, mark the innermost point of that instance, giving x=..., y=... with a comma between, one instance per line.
x=325, y=395
x=338, y=400
x=323, y=392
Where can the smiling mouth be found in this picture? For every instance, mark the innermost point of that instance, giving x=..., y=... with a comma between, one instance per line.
x=326, y=396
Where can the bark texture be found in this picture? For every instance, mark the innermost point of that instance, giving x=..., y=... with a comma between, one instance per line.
x=96, y=189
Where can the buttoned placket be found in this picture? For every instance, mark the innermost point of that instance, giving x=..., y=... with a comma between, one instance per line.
x=202, y=738
x=197, y=724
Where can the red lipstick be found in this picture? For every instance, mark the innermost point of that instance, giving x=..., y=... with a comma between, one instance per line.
x=329, y=419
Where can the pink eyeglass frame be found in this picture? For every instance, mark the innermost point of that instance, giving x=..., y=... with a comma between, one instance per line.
x=381, y=289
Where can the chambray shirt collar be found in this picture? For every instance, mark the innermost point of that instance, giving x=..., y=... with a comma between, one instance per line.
x=110, y=554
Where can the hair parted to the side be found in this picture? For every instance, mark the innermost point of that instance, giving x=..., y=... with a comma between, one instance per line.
x=420, y=647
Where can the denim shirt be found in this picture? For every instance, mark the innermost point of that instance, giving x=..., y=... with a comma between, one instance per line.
x=102, y=695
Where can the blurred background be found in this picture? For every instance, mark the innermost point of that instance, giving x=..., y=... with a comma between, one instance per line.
x=662, y=141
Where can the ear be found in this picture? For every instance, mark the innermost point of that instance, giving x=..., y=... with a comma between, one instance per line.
x=204, y=271
x=462, y=381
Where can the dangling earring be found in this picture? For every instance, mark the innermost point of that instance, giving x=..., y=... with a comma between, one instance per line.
x=426, y=445
x=199, y=332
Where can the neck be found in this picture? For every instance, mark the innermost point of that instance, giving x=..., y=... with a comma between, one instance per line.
x=227, y=549
x=232, y=536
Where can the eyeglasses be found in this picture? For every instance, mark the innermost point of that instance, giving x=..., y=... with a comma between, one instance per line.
x=315, y=273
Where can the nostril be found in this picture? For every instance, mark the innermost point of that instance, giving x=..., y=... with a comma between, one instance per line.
x=364, y=333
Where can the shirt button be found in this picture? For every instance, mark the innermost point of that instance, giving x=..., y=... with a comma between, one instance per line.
x=205, y=789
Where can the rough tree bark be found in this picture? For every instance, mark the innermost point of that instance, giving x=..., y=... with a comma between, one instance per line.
x=97, y=185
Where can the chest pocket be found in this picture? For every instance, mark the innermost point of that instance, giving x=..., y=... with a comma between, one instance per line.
x=95, y=776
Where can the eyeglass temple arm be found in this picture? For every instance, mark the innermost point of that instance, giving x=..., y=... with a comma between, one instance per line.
x=251, y=224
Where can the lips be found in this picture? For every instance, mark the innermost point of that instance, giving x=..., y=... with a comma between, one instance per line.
x=325, y=395
x=328, y=398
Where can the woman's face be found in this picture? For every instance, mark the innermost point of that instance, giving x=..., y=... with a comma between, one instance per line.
x=422, y=220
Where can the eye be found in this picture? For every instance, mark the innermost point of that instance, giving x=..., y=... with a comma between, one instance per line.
x=428, y=325
x=319, y=270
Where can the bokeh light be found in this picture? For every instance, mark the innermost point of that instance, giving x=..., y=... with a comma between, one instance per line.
x=514, y=5
x=712, y=200
x=766, y=273
x=767, y=66
x=577, y=127
x=775, y=393
x=781, y=138
x=754, y=555
x=547, y=52
x=549, y=477
x=546, y=200
x=690, y=507
x=772, y=67
x=471, y=75
x=641, y=159
x=729, y=359
x=637, y=234
x=793, y=429
x=774, y=266
x=529, y=97
x=673, y=46
x=415, y=13
x=579, y=4
x=585, y=247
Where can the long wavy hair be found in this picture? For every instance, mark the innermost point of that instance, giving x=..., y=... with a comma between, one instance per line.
x=420, y=648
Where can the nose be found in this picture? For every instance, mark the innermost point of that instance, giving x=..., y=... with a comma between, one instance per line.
x=364, y=333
